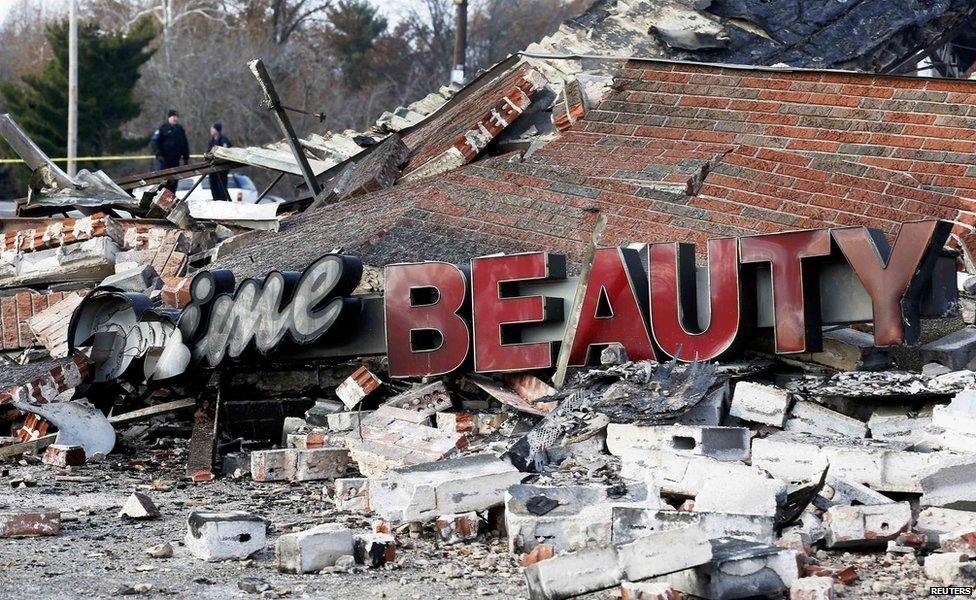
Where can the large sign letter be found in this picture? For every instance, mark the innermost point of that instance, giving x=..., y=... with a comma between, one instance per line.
x=796, y=299
x=611, y=310
x=424, y=334
x=498, y=310
x=894, y=277
x=674, y=299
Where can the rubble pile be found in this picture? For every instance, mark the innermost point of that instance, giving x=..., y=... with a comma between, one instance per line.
x=708, y=480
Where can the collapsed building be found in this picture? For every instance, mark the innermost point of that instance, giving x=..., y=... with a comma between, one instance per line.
x=270, y=337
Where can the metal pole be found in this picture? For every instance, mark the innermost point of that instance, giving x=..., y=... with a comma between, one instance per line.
x=273, y=102
x=460, y=41
x=72, y=88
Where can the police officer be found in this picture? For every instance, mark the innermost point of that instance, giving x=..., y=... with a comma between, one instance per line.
x=218, y=181
x=170, y=145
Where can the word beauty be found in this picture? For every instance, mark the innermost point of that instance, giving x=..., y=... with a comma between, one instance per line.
x=440, y=317
x=651, y=311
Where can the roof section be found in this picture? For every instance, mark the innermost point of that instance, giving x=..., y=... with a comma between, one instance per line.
x=680, y=151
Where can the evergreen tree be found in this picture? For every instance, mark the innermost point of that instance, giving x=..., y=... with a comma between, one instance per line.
x=108, y=70
x=352, y=31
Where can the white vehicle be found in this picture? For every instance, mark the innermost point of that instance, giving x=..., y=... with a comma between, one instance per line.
x=240, y=188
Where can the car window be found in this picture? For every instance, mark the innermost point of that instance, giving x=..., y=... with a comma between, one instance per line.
x=244, y=182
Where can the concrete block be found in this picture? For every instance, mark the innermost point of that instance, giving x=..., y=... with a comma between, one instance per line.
x=422, y=492
x=739, y=569
x=866, y=526
x=720, y=443
x=710, y=410
x=815, y=419
x=936, y=522
x=956, y=350
x=374, y=549
x=461, y=527
x=137, y=280
x=29, y=523
x=352, y=493
x=760, y=403
x=227, y=535
x=598, y=568
x=944, y=567
x=296, y=464
x=953, y=427
x=949, y=483
x=735, y=493
x=812, y=588
x=569, y=517
x=899, y=424
x=882, y=465
x=629, y=523
x=663, y=552
x=314, y=549
x=676, y=474
x=567, y=575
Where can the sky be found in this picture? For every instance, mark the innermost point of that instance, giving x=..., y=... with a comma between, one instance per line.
x=391, y=8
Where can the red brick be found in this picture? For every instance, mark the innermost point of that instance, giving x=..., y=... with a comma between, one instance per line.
x=22, y=524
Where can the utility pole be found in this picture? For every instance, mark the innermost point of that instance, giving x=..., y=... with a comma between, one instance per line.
x=460, y=41
x=72, y=87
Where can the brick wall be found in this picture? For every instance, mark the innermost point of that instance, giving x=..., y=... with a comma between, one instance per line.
x=16, y=309
x=683, y=152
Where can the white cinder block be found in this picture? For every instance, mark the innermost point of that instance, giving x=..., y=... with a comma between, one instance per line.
x=422, y=492
x=598, y=568
x=735, y=493
x=720, y=443
x=760, y=403
x=882, y=465
x=815, y=419
x=866, y=526
x=224, y=535
x=581, y=515
x=314, y=549
x=678, y=474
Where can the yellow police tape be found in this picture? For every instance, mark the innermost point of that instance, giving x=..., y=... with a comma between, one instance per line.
x=11, y=161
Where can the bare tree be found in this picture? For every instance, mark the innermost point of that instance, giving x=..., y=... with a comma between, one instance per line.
x=287, y=17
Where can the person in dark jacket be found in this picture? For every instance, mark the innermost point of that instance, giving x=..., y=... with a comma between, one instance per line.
x=169, y=145
x=218, y=181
